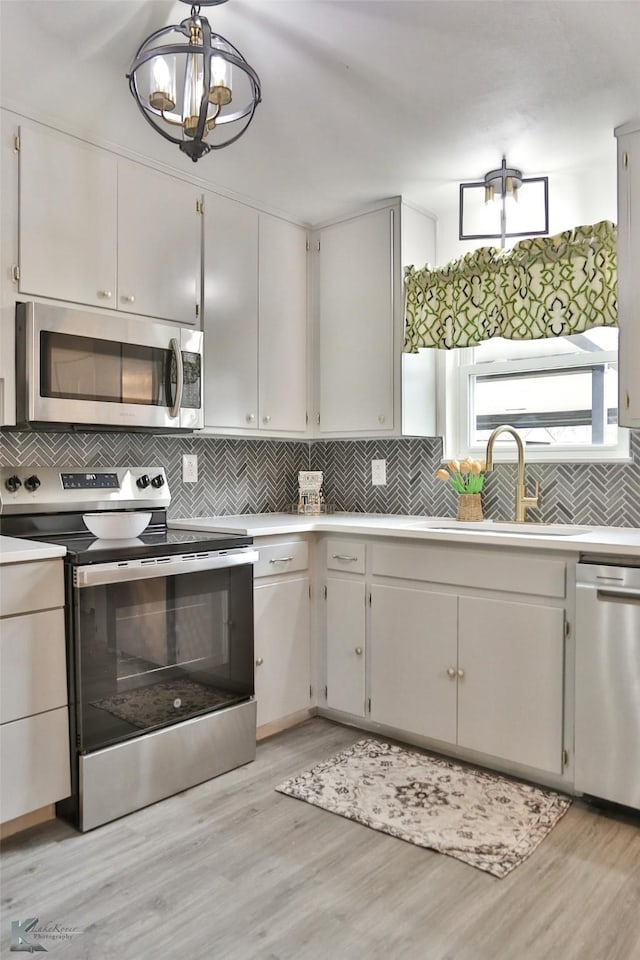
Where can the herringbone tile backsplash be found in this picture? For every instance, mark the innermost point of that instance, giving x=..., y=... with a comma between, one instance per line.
x=234, y=476
x=257, y=476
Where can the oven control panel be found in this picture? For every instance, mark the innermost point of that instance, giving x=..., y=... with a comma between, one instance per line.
x=90, y=481
x=52, y=489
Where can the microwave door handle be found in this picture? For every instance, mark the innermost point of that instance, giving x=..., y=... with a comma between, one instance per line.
x=177, y=400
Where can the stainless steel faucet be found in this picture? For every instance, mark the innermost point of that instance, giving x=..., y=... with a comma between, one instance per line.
x=523, y=502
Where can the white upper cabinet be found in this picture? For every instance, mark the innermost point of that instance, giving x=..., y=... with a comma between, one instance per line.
x=255, y=320
x=360, y=322
x=230, y=318
x=282, y=337
x=628, y=272
x=68, y=219
x=159, y=244
x=355, y=291
x=104, y=231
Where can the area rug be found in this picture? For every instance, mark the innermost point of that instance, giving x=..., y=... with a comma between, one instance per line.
x=150, y=706
x=484, y=819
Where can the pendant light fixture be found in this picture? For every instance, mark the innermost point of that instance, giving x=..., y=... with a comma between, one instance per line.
x=193, y=86
x=504, y=205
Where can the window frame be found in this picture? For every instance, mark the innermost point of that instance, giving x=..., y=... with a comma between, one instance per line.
x=456, y=367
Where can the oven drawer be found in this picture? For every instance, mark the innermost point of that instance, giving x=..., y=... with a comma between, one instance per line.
x=30, y=586
x=33, y=674
x=279, y=558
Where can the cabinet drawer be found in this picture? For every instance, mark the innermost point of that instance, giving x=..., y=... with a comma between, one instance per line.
x=30, y=586
x=460, y=566
x=278, y=558
x=33, y=676
x=347, y=555
x=34, y=763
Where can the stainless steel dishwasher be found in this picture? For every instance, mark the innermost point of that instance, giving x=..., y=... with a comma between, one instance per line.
x=607, y=734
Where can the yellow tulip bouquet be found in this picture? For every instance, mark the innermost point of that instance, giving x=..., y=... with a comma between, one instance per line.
x=465, y=476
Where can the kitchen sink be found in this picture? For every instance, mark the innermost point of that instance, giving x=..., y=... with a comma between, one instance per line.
x=501, y=527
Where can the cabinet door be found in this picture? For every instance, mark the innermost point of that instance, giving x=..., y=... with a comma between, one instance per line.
x=282, y=648
x=8, y=257
x=345, y=650
x=68, y=219
x=356, y=324
x=159, y=244
x=628, y=279
x=413, y=645
x=34, y=763
x=511, y=658
x=230, y=313
x=282, y=366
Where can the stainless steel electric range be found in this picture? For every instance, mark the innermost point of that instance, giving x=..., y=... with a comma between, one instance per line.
x=159, y=638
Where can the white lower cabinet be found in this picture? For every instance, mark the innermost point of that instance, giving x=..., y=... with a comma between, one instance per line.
x=480, y=669
x=510, y=687
x=346, y=645
x=414, y=637
x=34, y=722
x=282, y=631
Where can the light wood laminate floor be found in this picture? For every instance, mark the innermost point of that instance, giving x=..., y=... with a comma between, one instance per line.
x=232, y=870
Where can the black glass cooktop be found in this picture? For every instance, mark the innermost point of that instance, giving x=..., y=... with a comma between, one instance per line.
x=156, y=543
x=82, y=547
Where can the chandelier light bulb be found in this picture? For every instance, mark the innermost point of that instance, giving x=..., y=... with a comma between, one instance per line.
x=163, y=85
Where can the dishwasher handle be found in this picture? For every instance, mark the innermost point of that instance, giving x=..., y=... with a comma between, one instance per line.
x=618, y=594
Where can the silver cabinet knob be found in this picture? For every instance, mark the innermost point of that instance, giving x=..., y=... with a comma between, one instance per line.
x=259, y=661
x=359, y=651
x=105, y=294
x=381, y=418
x=130, y=299
x=266, y=419
x=461, y=674
x=451, y=673
x=250, y=417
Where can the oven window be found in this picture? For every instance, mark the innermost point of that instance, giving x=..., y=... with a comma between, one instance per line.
x=153, y=652
x=86, y=368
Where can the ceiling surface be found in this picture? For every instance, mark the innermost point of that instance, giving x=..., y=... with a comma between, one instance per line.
x=362, y=99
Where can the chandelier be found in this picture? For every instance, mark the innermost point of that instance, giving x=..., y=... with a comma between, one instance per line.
x=504, y=204
x=193, y=86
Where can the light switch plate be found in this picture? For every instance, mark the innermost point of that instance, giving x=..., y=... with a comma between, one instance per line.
x=378, y=472
x=189, y=467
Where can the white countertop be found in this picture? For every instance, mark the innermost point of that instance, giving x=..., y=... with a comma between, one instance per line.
x=619, y=541
x=16, y=550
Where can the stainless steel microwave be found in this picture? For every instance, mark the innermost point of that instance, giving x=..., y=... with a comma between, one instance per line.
x=82, y=369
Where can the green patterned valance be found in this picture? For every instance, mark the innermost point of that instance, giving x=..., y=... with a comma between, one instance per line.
x=542, y=287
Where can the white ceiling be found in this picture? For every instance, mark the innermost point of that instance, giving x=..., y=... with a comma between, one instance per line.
x=362, y=99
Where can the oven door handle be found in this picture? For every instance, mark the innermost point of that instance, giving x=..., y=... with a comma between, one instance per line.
x=177, y=400
x=96, y=575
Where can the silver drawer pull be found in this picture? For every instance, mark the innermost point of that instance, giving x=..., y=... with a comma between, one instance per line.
x=281, y=560
x=342, y=556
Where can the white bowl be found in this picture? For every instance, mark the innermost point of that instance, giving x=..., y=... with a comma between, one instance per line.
x=116, y=526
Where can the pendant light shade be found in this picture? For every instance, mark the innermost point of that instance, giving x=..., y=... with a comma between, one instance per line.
x=193, y=86
x=504, y=205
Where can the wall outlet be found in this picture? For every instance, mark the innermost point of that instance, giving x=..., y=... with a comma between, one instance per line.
x=189, y=467
x=378, y=472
